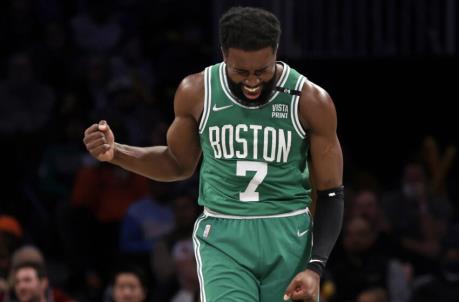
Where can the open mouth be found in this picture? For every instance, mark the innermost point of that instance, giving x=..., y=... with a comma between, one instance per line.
x=251, y=93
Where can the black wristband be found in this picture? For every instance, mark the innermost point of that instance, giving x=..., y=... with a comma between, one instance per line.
x=316, y=266
x=328, y=221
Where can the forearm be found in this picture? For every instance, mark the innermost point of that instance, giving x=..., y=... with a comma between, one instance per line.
x=156, y=162
x=328, y=221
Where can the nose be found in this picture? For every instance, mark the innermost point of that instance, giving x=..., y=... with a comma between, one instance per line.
x=252, y=81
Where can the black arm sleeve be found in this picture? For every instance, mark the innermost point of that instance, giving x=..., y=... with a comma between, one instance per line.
x=328, y=220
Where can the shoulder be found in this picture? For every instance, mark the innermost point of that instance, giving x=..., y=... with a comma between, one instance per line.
x=315, y=97
x=189, y=96
x=192, y=84
x=315, y=105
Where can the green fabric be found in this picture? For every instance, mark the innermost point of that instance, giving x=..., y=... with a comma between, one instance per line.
x=250, y=260
x=254, y=159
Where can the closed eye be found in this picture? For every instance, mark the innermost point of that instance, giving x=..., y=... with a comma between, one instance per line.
x=259, y=72
x=242, y=72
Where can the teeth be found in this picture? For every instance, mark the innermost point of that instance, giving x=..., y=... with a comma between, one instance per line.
x=251, y=89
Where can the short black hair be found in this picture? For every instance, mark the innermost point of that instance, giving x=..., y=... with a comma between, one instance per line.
x=130, y=269
x=249, y=28
x=38, y=267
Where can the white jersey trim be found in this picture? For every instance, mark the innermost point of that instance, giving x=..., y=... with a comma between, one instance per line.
x=197, y=254
x=210, y=213
x=224, y=83
x=207, y=99
x=294, y=112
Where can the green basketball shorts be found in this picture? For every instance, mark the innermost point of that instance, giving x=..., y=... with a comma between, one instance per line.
x=250, y=259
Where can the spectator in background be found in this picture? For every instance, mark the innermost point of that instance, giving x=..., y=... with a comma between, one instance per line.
x=25, y=254
x=11, y=234
x=147, y=220
x=376, y=294
x=31, y=284
x=443, y=287
x=366, y=204
x=163, y=265
x=360, y=262
x=10, y=227
x=107, y=191
x=90, y=226
x=185, y=266
x=419, y=218
x=129, y=285
x=32, y=258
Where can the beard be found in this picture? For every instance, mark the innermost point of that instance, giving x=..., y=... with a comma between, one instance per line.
x=266, y=91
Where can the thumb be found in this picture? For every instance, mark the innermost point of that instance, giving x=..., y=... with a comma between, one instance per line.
x=103, y=126
x=289, y=291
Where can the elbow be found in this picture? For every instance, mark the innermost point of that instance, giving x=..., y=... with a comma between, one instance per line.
x=329, y=184
x=182, y=167
x=185, y=173
x=179, y=174
x=187, y=169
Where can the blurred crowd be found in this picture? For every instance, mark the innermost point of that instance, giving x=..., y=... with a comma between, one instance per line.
x=73, y=229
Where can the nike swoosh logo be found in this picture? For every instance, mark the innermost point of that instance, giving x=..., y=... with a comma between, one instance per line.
x=215, y=108
x=302, y=233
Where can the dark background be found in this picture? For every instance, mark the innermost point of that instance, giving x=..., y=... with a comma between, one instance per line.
x=389, y=65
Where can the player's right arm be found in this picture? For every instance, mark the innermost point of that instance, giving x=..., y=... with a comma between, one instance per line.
x=175, y=161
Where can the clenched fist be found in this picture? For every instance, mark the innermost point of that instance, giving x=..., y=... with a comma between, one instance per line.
x=100, y=141
x=305, y=286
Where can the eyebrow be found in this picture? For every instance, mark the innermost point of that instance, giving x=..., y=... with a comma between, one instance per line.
x=257, y=70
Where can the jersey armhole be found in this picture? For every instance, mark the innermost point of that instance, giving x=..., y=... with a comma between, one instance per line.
x=294, y=112
x=207, y=97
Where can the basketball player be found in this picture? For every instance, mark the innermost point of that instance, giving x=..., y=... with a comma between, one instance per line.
x=256, y=121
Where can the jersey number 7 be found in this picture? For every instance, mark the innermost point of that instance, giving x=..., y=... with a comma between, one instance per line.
x=261, y=170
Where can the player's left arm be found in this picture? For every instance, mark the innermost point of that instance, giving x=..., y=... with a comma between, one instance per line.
x=318, y=116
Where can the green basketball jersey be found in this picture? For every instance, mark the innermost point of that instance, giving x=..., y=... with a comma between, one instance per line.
x=254, y=158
